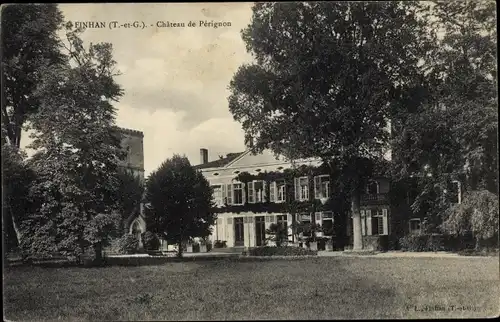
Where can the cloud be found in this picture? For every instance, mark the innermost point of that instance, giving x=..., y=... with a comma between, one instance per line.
x=175, y=79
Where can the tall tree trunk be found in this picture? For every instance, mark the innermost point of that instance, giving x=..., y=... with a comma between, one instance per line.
x=179, y=250
x=16, y=227
x=98, y=253
x=356, y=220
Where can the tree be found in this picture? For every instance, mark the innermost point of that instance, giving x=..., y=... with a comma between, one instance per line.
x=478, y=213
x=29, y=44
x=448, y=127
x=322, y=82
x=180, y=201
x=77, y=153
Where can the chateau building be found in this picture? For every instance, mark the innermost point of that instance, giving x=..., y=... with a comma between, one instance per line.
x=247, y=209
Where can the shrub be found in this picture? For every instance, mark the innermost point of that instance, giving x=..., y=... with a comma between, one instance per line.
x=280, y=251
x=220, y=244
x=422, y=243
x=127, y=244
x=150, y=241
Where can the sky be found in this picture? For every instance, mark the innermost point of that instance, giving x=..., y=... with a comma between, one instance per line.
x=174, y=79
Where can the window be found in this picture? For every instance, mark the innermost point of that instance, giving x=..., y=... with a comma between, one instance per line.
x=302, y=188
x=217, y=194
x=377, y=222
x=372, y=188
x=327, y=223
x=281, y=190
x=283, y=221
x=237, y=194
x=415, y=225
x=256, y=191
x=259, y=191
x=322, y=187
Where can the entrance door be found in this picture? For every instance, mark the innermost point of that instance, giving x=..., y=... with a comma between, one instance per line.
x=239, y=232
x=260, y=231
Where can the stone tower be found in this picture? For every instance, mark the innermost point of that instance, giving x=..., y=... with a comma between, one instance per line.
x=133, y=143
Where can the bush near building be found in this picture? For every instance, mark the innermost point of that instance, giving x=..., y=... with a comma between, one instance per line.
x=127, y=244
x=150, y=241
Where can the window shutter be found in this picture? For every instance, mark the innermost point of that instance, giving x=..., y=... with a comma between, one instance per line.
x=251, y=192
x=268, y=218
x=363, y=223
x=297, y=218
x=229, y=221
x=229, y=194
x=243, y=193
x=289, y=217
x=272, y=192
x=369, y=222
x=250, y=220
x=317, y=188
x=385, y=221
x=297, y=188
x=274, y=219
x=224, y=200
x=264, y=191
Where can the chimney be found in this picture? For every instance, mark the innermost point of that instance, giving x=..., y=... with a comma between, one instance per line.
x=203, y=156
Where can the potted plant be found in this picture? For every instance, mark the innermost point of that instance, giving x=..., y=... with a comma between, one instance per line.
x=329, y=244
x=313, y=240
x=220, y=244
x=297, y=230
x=203, y=245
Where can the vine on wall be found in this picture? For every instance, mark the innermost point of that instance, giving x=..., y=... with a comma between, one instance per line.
x=290, y=205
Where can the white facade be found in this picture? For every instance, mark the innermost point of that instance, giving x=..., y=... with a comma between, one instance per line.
x=246, y=225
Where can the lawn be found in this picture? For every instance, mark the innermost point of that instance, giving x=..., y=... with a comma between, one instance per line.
x=229, y=289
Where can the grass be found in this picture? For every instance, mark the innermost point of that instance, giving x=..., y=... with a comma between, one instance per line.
x=235, y=289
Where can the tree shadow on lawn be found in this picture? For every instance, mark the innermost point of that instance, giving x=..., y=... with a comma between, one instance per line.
x=116, y=261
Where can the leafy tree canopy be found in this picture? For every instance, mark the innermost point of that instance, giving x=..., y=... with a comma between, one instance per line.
x=180, y=201
x=78, y=152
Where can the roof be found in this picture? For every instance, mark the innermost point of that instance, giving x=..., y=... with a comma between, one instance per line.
x=219, y=163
